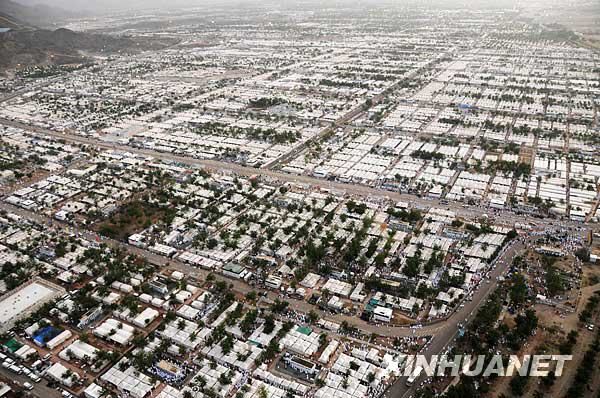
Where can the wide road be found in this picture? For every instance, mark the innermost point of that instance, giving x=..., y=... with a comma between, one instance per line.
x=444, y=337
x=506, y=218
x=443, y=332
x=31, y=88
x=241, y=287
x=40, y=390
x=353, y=113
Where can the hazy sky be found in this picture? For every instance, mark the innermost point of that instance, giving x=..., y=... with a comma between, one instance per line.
x=109, y=5
x=98, y=5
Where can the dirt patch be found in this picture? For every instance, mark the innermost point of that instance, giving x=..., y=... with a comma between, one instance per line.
x=131, y=218
x=401, y=320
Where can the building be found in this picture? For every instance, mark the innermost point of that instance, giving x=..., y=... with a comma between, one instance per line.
x=56, y=372
x=94, y=391
x=235, y=271
x=159, y=287
x=89, y=317
x=383, y=314
x=550, y=251
x=163, y=250
x=61, y=215
x=137, y=240
x=301, y=365
x=4, y=389
x=24, y=300
x=273, y=282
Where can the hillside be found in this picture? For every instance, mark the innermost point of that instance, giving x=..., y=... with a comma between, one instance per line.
x=17, y=16
x=63, y=46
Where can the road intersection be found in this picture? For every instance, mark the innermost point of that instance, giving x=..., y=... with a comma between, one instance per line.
x=443, y=332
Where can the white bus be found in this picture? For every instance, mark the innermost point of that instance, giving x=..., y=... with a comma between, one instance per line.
x=414, y=375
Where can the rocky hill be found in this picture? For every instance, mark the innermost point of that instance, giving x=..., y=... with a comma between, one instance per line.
x=62, y=46
x=17, y=16
x=28, y=45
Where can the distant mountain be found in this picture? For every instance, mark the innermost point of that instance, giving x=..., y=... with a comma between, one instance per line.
x=17, y=16
x=21, y=48
x=99, y=6
x=12, y=15
x=29, y=44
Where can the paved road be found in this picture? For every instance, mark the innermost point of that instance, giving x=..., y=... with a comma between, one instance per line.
x=28, y=89
x=506, y=218
x=444, y=332
x=40, y=390
x=444, y=337
x=299, y=305
x=353, y=113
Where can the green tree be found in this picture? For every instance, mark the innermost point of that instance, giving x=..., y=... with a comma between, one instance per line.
x=518, y=289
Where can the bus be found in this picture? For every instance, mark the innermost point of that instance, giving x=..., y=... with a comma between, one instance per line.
x=414, y=376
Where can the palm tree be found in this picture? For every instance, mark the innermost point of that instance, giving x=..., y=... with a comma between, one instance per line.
x=262, y=392
x=67, y=374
